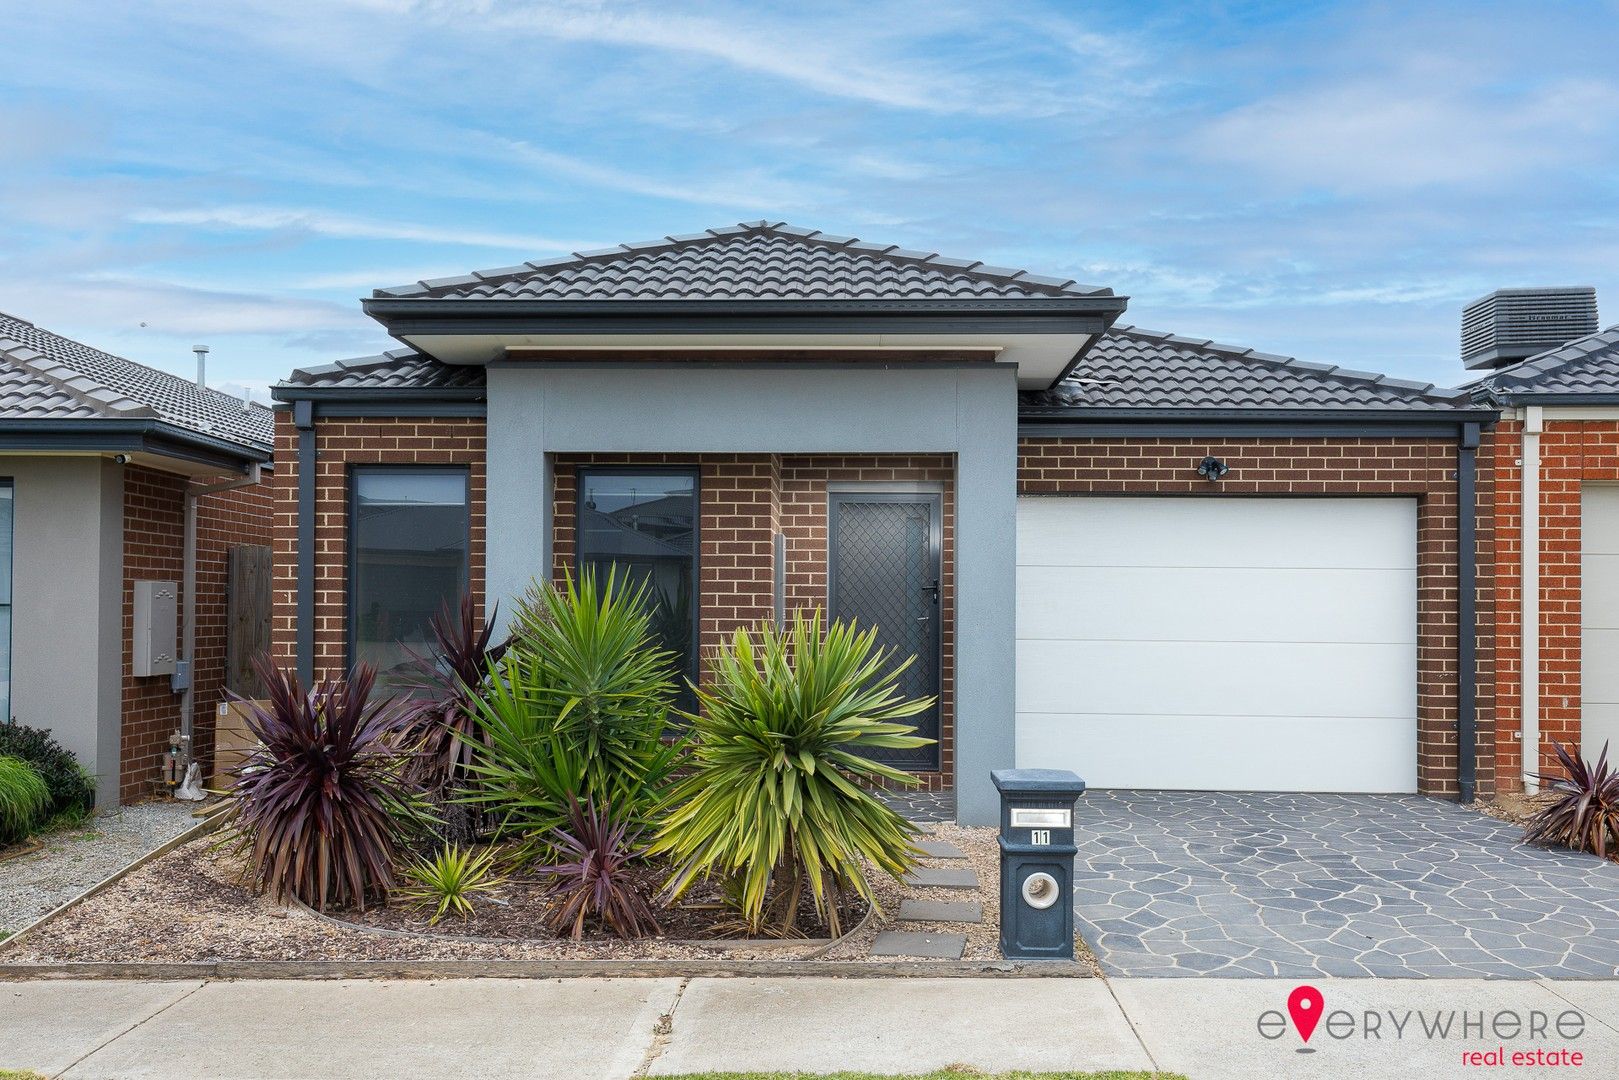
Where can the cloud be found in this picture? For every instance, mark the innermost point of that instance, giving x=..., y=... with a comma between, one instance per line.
x=345, y=227
x=160, y=307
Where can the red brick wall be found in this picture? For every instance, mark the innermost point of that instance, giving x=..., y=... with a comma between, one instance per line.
x=154, y=536
x=1572, y=452
x=744, y=499
x=340, y=444
x=1423, y=468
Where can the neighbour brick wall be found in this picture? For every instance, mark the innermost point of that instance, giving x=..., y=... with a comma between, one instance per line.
x=340, y=444
x=744, y=499
x=1572, y=453
x=1422, y=468
x=154, y=539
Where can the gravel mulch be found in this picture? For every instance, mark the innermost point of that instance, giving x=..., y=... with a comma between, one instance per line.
x=75, y=859
x=1514, y=807
x=191, y=905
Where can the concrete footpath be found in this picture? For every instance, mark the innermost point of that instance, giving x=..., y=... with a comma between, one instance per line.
x=619, y=1028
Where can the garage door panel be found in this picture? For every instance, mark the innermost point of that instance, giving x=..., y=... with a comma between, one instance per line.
x=1599, y=682
x=1364, y=533
x=1599, y=725
x=1225, y=604
x=1599, y=519
x=1227, y=753
x=1599, y=590
x=1599, y=618
x=1266, y=679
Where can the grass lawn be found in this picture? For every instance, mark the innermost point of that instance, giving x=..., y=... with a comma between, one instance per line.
x=20, y=1074
x=956, y=1073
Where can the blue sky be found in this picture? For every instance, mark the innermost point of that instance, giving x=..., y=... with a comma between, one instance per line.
x=1332, y=181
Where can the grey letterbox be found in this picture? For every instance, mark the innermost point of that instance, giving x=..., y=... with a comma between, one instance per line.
x=1037, y=862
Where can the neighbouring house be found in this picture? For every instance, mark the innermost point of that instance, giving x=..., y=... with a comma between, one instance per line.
x=1557, y=521
x=1159, y=561
x=121, y=486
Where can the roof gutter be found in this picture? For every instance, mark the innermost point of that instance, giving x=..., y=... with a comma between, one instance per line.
x=98, y=435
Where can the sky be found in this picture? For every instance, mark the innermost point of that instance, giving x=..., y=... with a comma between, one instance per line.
x=1328, y=181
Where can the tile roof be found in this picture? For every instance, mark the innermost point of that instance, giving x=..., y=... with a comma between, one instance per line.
x=1131, y=368
x=44, y=376
x=397, y=369
x=1128, y=368
x=1587, y=365
x=755, y=260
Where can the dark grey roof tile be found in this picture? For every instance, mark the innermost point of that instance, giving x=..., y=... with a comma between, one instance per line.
x=1588, y=365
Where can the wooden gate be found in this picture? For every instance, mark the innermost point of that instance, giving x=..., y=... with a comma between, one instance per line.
x=247, y=617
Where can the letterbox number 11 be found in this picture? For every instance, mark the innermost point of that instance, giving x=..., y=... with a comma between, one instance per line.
x=1040, y=837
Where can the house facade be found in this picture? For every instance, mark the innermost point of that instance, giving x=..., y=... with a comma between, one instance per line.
x=1160, y=561
x=1556, y=454
x=120, y=486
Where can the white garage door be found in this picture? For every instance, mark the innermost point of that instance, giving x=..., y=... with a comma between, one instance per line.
x=1237, y=644
x=1599, y=616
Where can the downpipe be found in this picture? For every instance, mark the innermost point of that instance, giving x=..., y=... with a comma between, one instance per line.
x=188, y=622
x=1529, y=599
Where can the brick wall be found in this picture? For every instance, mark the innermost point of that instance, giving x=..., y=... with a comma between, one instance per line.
x=339, y=445
x=1422, y=468
x=744, y=499
x=154, y=537
x=1572, y=453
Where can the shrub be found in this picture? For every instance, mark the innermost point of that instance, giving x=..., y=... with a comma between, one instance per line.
x=448, y=881
x=449, y=681
x=775, y=795
x=1583, y=812
x=25, y=801
x=597, y=878
x=322, y=806
x=577, y=707
x=73, y=791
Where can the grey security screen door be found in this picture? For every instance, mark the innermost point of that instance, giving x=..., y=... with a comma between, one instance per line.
x=883, y=551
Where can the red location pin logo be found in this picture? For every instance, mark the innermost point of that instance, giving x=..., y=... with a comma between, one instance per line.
x=1304, y=1006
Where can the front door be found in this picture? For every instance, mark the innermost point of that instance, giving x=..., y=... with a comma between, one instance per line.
x=884, y=571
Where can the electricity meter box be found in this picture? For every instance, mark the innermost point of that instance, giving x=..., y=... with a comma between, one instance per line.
x=157, y=609
x=1037, y=862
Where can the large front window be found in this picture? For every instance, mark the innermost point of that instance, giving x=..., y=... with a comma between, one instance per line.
x=6, y=503
x=642, y=525
x=408, y=545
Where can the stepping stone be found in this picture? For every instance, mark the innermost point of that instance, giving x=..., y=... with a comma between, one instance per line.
x=928, y=946
x=929, y=877
x=941, y=911
x=939, y=849
x=922, y=826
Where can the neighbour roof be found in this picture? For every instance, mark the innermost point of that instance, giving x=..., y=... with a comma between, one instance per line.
x=1585, y=366
x=1130, y=368
x=754, y=260
x=44, y=376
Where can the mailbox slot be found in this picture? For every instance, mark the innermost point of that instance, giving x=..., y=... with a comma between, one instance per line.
x=1026, y=817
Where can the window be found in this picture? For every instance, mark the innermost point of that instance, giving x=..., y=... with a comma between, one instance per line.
x=409, y=534
x=7, y=502
x=643, y=524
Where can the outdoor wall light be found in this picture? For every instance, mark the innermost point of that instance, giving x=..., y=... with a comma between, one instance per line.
x=1212, y=468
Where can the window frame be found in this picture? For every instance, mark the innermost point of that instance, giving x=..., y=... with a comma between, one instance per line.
x=695, y=472
x=351, y=540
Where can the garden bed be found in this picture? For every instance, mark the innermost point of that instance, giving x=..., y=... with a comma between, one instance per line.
x=190, y=906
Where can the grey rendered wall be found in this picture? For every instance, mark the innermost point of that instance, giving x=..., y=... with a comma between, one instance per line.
x=67, y=605
x=970, y=411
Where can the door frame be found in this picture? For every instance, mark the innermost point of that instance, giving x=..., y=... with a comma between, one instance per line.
x=932, y=496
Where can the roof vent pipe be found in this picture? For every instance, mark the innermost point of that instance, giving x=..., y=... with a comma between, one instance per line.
x=202, y=365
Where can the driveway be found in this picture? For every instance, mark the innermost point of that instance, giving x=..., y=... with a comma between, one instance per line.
x=1296, y=886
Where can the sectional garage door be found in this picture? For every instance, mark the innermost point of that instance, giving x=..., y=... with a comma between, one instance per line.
x=1220, y=643
x=1599, y=616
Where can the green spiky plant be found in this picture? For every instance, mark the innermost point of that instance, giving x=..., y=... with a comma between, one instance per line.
x=25, y=800
x=776, y=798
x=576, y=709
x=448, y=880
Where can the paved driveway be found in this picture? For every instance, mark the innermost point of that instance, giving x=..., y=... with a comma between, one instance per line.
x=1199, y=883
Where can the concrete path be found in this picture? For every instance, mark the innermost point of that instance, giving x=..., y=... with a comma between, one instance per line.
x=1313, y=886
x=614, y=1029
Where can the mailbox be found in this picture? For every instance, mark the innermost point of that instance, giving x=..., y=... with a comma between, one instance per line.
x=1037, y=862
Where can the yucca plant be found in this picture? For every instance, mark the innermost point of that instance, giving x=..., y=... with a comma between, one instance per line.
x=25, y=800
x=447, y=681
x=1583, y=812
x=323, y=805
x=777, y=795
x=449, y=880
x=595, y=877
x=577, y=707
